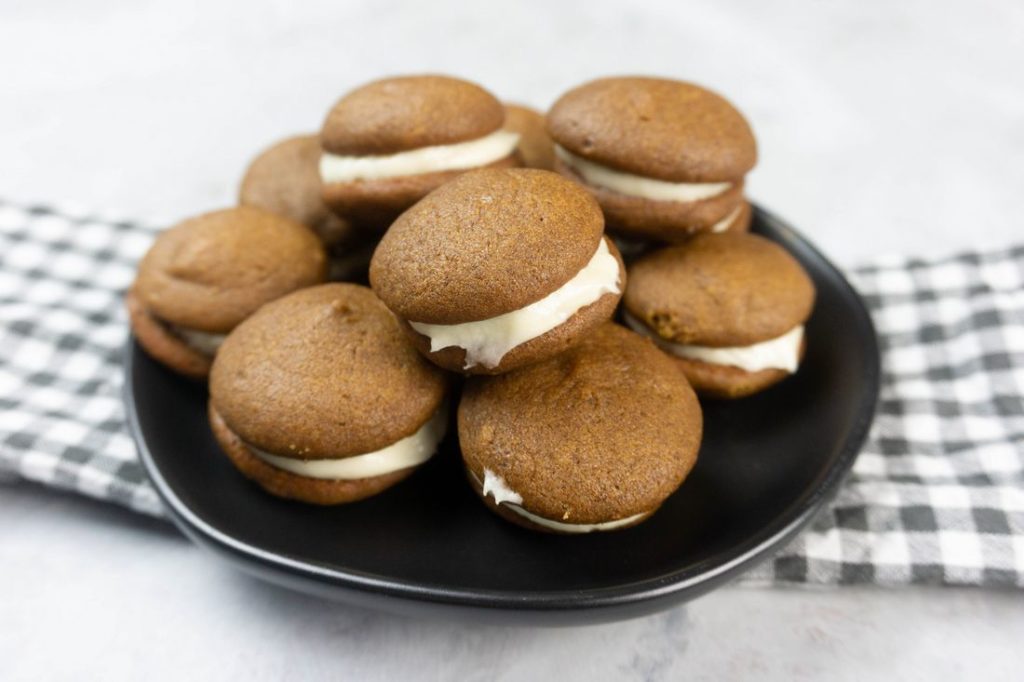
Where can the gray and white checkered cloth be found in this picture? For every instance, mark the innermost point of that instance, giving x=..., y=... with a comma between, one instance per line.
x=936, y=496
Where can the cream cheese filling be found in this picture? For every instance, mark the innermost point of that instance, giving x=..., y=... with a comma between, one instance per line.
x=782, y=352
x=206, y=343
x=408, y=452
x=486, y=342
x=460, y=156
x=638, y=185
x=495, y=486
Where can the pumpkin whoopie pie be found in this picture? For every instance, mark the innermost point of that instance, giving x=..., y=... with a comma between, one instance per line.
x=729, y=308
x=201, y=278
x=320, y=397
x=498, y=269
x=389, y=143
x=594, y=439
x=285, y=179
x=535, y=148
x=665, y=159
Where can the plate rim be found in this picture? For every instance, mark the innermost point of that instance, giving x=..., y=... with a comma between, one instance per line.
x=689, y=581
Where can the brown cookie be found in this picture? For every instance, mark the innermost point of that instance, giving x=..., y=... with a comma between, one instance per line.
x=687, y=140
x=319, y=379
x=535, y=148
x=601, y=434
x=207, y=274
x=655, y=128
x=409, y=112
x=720, y=290
x=492, y=243
x=377, y=127
x=735, y=300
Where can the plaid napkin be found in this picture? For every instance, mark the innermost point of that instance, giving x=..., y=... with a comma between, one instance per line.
x=936, y=497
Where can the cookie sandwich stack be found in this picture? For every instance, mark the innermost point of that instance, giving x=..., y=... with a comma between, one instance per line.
x=491, y=238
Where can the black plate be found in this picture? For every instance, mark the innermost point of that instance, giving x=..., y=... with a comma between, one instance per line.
x=429, y=546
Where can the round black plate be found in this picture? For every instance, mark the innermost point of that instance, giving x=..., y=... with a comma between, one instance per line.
x=429, y=546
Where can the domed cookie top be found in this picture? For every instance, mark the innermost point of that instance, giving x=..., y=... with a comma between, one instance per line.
x=285, y=179
x=731, y=289
x=390, y=143
x=655, y=128
x=324, y=373
x=485, y=244
x=409, y=112
x=600, y=434
x=210, y=272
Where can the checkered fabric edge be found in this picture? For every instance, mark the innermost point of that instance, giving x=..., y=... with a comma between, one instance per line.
x=62, y=331
x=935, y=497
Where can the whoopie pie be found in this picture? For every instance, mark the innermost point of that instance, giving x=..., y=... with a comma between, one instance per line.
x=665, y=159
x=498, y=269
x=320, y=397
x=594, y=439
x=388, y=143
x=729, y=308
x=202, y=277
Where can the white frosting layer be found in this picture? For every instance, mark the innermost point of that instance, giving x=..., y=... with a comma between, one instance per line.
x=495, y=486
x=460, y=156
x=726, y=222
x=782, y=352
x=638, y=185
x=487, y=341
x=205, y=342
x=410, y=451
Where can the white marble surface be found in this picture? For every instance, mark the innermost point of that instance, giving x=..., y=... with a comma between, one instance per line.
x=883, y=127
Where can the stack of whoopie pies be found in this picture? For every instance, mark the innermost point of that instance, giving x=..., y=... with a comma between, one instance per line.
x=480, y=228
